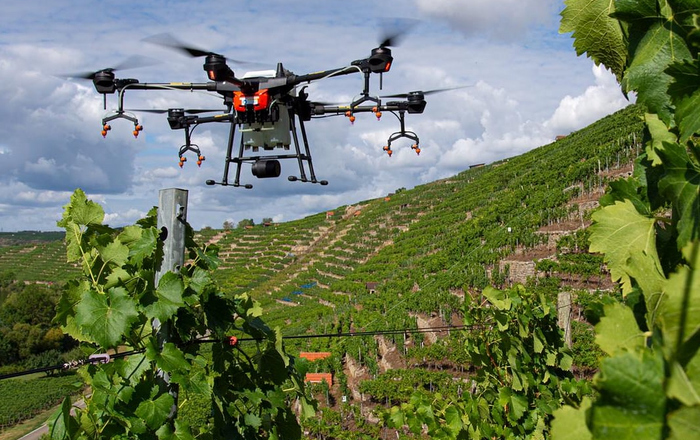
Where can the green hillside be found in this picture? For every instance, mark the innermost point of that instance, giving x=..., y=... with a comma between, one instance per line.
x=408, y=260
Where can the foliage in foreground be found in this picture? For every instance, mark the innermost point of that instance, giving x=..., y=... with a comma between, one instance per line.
x=113, y=306
x=521, y=374
x=649, y=227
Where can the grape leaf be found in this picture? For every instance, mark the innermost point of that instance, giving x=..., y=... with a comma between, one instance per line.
x=82, y=211
x=618, y=331
x=685, y=423
x=632, y=403
x=681, y=185
x=595, y=33
x=570, y=423
x=141, y=242
x=659, y=134
x=659, y=45
x=685, y=94
x=680, y=315
x=685, y=386
x=168, y=298
x=105, y=318
x=169, y=359
x=628, y=241
x=155, y=412
x=114, y=254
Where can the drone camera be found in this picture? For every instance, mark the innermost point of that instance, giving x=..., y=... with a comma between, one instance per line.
x=265, y=168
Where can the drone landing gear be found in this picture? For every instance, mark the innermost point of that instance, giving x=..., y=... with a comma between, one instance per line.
x=403, y=134
x=268, y=166
x=120, y=114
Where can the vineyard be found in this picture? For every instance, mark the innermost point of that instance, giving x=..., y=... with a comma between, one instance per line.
x=410, y=260
x=21, y=399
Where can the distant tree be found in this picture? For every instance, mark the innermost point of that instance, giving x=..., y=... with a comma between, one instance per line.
x=246, y=222
x=228, y=225
x=267, y=220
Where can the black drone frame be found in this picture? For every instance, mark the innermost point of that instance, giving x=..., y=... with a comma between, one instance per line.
x=224, y=82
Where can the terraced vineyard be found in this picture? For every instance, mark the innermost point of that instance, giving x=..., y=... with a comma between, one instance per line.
x=410, y=259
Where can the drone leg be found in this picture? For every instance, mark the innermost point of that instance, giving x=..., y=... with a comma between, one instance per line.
x=293, y=129
x=239, y=163
x=229, y=150
x=308, y=152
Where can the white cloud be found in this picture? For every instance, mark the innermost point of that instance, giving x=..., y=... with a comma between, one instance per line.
x=597, y=101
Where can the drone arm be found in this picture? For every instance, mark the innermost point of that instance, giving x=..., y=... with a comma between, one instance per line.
x=212, y=86
x=298, y=79
x=341, y=109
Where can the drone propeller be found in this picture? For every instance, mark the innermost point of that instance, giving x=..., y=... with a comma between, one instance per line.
x=428, y=92
x=394, y=29
x=167, y=40
x=132, y=62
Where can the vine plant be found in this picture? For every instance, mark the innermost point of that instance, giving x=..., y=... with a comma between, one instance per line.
x=521, y=374
x=649, y=226
x=251, y=387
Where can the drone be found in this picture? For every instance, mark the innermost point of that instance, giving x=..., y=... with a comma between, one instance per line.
x=268, y=108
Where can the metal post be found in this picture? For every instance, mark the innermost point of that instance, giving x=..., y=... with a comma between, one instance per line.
x=564, y=315
x=172, y=218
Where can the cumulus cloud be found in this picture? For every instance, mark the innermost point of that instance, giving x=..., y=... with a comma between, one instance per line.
x=597, y=101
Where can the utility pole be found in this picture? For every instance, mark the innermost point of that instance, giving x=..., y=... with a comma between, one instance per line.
x=172, y=220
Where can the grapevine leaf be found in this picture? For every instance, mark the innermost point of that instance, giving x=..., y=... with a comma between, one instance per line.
x=629, y=10
x=155, y=412
x=570, y=423
x=685, y=94
x=168, y=297
x=658, y=46
x=680, y=315
x=632, y=401
x=618, y=331
x=170, y=359
x=659, y=134
x=82, y=211
x=252, y=420
x=199, y=280
x=498, y=298
x=595, y=33
x=627, y=239
x=134, y=367
x=62, y=424
x=685, y=423
x=105, y=318
x=680, y=384
x=453, y=420
x=681, y=185
x=182, y=432
x=141, y=242
x=114, y=254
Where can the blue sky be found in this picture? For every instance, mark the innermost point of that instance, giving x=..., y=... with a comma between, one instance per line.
x=527, y=86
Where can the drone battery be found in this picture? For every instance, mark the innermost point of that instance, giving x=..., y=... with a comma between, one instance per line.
x=266, y=168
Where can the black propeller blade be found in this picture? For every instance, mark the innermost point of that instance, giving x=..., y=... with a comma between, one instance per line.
x=394, y=29
x=167, y=40
x=132, y=62
x=428, y=92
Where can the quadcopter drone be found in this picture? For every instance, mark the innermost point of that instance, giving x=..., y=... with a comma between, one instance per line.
x=268, y=107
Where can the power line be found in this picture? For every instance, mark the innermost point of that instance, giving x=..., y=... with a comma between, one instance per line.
x=101, y=358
